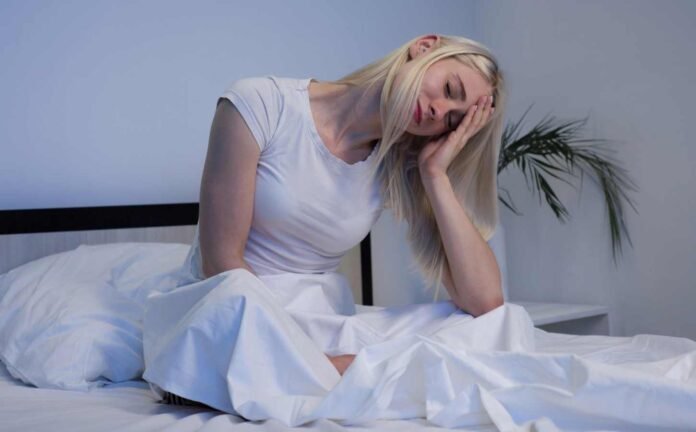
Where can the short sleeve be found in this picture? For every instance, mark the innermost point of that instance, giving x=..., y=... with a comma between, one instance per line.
x=259, y=101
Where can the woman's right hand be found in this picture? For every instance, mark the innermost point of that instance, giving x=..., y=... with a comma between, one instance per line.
x=341, y=362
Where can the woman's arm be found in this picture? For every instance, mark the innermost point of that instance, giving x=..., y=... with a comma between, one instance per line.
x=473, y=281
x=227, y=191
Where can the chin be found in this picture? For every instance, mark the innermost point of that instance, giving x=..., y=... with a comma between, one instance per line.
x=423, y=134
x=415, y=132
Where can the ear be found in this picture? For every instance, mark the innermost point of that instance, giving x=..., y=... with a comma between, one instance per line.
x=423, y=45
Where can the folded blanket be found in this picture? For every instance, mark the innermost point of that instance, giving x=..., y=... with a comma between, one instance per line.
x=255, y=347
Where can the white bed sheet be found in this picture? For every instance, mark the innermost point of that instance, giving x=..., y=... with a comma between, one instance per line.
x=427, y=360
x=130, y=406
x=496, y=367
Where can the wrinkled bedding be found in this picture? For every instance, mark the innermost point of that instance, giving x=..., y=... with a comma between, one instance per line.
x=103, y=330
x=255, y=346
x=130, y=407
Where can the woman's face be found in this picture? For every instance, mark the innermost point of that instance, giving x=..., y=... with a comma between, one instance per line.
x=448, y=89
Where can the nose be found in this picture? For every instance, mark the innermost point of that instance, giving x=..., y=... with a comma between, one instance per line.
x=440, y=107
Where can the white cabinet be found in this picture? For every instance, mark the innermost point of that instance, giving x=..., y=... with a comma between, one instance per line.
x=568, y=318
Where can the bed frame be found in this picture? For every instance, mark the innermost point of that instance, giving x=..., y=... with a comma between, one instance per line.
x=26, y=235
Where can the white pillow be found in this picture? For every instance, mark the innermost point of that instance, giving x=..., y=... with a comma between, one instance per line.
x=73, y=320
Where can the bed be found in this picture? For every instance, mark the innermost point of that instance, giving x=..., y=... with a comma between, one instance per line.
x=27, y=235
x=129, y=406
x=640, y=383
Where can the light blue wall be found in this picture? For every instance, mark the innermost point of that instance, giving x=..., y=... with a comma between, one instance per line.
x=628, y=65
x=110, y=103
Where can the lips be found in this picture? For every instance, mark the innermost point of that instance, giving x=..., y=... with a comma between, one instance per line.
x=417, y=114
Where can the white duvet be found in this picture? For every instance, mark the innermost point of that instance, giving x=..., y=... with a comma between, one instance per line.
x=255, y=347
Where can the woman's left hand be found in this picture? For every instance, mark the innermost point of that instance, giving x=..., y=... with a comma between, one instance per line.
x=437, y=155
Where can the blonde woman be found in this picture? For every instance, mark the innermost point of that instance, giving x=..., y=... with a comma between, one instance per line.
x=298, y=171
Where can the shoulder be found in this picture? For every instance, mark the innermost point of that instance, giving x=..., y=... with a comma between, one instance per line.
x=267, y=95
x=265, y=86
x=263, y=102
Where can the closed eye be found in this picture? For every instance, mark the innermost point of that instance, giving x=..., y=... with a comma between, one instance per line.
x=448, y=119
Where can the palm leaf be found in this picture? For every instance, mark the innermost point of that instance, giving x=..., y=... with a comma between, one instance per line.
x=557, y=151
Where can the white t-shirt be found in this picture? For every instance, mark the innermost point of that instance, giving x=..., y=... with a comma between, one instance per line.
x=310, y=207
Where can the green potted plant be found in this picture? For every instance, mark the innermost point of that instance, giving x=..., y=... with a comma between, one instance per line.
x=556, y=149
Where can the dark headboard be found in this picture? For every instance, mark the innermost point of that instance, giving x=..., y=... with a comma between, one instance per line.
x=133, y=216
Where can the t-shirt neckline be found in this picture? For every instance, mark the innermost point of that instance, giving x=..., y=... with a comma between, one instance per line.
x=319, y=143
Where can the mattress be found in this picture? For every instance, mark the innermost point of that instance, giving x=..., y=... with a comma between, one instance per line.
x=72, y=321
x=131, y=406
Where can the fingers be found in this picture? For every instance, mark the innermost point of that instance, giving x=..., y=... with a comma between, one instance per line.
x=476, y=116
x=467, y=122
x=487, y=110
x=482, y=113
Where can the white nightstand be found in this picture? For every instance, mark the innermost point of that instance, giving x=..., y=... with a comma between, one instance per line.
x=555, y=317
x=568, y=318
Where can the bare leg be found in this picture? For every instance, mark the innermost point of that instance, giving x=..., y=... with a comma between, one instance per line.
x=341, y=362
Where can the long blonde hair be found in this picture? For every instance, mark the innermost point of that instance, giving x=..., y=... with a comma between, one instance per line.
x=473, y=172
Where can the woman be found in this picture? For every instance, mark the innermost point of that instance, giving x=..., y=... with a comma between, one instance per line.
x=298, y=171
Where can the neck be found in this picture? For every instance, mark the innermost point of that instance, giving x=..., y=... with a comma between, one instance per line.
x=348, y=115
